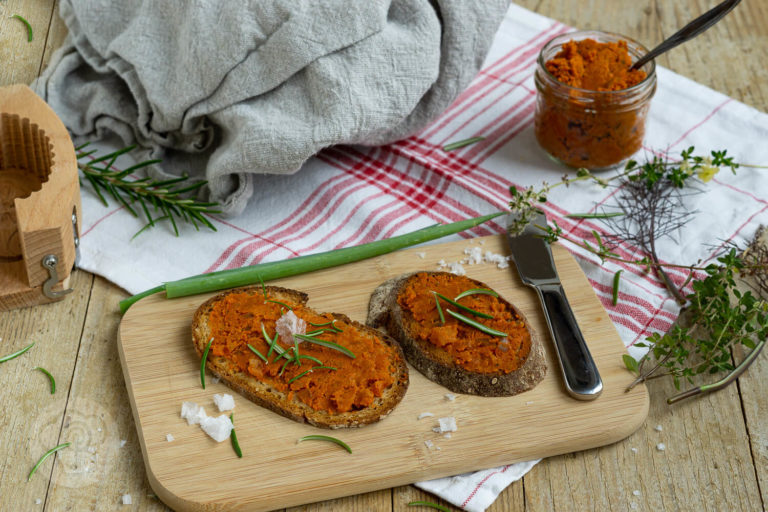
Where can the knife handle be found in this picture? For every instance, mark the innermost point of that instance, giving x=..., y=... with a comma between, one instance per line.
x=582, y=380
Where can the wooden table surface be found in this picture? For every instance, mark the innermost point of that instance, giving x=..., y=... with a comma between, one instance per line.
x=716, y=455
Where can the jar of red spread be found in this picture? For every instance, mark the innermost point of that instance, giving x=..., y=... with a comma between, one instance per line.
x=590, y=109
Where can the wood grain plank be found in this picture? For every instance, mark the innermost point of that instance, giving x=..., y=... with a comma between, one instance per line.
x=96, y=471
x=376, y=501
x=31, y=417
x=21, y=59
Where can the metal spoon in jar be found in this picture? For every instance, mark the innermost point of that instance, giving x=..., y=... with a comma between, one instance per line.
x=689, y=31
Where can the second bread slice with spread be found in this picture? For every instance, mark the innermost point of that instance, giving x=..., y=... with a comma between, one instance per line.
x=450, y=351
x=349, y=376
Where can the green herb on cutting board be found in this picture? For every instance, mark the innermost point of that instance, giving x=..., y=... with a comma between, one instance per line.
x=27, y=24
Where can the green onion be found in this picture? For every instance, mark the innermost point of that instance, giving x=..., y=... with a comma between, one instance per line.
x=281, y=303
x=50, y=378
x=465, y=308
x=476, y=325
x=233, y=438
x=17, y=353
x=273, y=270
x=439, y=309
x=310, y=371
x=428, y=504
x=316, y=437
x=616, y=278
x=261, y=356
x=45, y=456
x=302, y=356
x=476, y=291
x=594, y=215
x=462, y=143
x=202, y=362
x=29, y=26
x=324, y=343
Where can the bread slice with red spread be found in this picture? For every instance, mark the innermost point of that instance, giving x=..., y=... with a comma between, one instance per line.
x=346, y=375
x=502, y=357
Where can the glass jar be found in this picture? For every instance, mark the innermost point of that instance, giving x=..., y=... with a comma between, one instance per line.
x=598, y=130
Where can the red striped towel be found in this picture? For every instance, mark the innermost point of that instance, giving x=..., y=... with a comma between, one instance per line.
x=352, y=195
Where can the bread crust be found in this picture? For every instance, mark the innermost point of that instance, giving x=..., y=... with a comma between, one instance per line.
x=384, y=313
x=277, y=401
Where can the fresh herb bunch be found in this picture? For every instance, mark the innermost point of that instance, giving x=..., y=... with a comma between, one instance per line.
x=167, y=198
x=649, y=206
x=718, y=317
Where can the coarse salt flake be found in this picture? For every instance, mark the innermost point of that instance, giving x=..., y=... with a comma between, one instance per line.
x=193, y=413
x=127, y=499
x=219, y=428
x=658, y=428
x=447, y=435
x=500, y=260
x=122, y=442
x=224, y=402
x=288, y=325
x=633, y=505
x=424, y=415
x=429, y=444
x=661, y=447
x=634, y=450
x=421, y=255
x=169, y=437
x=447, y=424
x=450, y=397
x=636, y=492
x=475, y=255
x=38, y=501
x=456, y=268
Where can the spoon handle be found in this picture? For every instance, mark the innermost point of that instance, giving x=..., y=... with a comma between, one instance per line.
x=689, y=31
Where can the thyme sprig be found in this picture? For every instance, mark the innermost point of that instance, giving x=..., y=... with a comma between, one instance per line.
x=157, y=200
x=649, y=206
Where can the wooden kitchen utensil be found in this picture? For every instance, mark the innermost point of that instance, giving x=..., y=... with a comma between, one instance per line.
x=39, y=201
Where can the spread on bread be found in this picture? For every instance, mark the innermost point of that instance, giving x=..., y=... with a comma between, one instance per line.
x=459, y=333
x=318, y=367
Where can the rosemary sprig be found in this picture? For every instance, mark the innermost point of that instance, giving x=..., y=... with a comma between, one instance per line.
x=233, y=438
x=428, y=504
x=202, y=362
x=476, y=325
x=462, y=143
x=50, y=378
x=462, y=306
x=439, y=309
x=166, y=198
x=476, y=291
x=325, y=343
x=286, y=306
x=253, y=349
x=316, y=437
x=27, y=24
x=305, y=372
x=17, y=353
x=45, y=456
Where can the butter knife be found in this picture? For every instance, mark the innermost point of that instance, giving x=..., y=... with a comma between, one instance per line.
x=533, y=259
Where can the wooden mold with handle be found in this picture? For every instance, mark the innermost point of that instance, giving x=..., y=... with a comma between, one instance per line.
x=39, y=201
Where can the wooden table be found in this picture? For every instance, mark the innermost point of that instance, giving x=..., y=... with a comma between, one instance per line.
x=716, y=455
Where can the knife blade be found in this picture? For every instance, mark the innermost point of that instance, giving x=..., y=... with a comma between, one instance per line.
x=533, y=259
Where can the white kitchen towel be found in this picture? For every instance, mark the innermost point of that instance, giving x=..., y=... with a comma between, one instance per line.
x=351, y=195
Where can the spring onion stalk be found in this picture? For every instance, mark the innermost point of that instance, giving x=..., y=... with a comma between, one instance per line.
x=310, y=371
x=233, y=438
x=252, y=349
x=45, y=456
x=428, y=504
x=324, y=343
x=274, y=270
x=616, y=279
x=461, y=306
x=17, y=353
x=476, y=291
x=50, y=378
x=476, y=325
x=330, y=439
x=203, y=360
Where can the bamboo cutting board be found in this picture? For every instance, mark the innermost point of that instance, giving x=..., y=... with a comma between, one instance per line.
x=193, y=472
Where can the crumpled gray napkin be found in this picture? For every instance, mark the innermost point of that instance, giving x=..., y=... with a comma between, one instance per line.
x=226, y=89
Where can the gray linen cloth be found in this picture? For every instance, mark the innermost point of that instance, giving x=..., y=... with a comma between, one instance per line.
x=226, y=89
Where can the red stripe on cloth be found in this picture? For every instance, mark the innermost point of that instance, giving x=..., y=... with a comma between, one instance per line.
x=649, y=324
x=104, y=217
x=480, y=485
x=741, y=191
x=719, y=249
x=513, y=127
x=700, y=123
